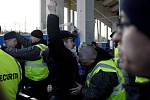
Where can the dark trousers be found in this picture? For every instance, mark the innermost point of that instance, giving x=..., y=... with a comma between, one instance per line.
x=38, y=88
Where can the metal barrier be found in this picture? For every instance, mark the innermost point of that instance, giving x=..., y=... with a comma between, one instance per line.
x=26, y=97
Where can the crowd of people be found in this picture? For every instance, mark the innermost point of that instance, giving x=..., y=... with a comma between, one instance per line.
x=34, y=69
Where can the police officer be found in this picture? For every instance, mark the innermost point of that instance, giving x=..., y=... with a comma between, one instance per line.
x=10, y=39
x=10, y=75
x=37, y=72
x=104, y=80
x=129, y=76
x=135, y=47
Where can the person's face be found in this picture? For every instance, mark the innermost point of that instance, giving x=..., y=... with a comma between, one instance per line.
x=134, y=48
x=69, y=43
x=94, y=46
x=11, y=43
x=118, y=34
x=34, y=39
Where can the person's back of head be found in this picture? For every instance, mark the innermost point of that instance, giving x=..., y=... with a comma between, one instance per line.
x=103, y=55
x=87, y=55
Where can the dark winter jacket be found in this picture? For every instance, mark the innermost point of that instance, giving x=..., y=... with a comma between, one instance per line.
x=30, y=52
x=138, y=91
x=42, y=41
x=102, y=83
x=61, y=60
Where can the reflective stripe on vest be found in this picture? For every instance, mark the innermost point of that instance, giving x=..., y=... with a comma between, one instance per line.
x=37, y=70
x=105, y=67
x=109, y=66
x=42, y=47
x=116, y=52
x=141, y=79
x=10, y=75
x=36, y=65
x=116, y=56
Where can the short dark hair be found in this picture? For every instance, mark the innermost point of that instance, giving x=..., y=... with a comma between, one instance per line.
x=65, y=39
x=93, y=43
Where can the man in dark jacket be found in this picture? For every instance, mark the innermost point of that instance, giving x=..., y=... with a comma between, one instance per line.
x=103, y=83
x=129, y=76
x=10, y=39
x=29, y=52
x=65, y=68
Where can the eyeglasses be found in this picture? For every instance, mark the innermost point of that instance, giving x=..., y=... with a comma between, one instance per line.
x=125, y=24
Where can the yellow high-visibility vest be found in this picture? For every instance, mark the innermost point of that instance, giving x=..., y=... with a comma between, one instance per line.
x=10, y=75
x=37, y=70
x=109, y=66
x=116, y=55
x=141, y=79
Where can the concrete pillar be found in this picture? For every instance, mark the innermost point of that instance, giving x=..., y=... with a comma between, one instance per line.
x=55, y=7
x=60, y=10
x=69, y=15
x=51, y=7
x=99, y=30
x=43, y=14
x=98, y=26
x=69, y=19
x=73, y=17
x=107, y=33
x=0, y=30
x=114, y=26
x=85, y=20
x=119, y=6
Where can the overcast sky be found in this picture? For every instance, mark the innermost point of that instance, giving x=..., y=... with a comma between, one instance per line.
x=15, y=13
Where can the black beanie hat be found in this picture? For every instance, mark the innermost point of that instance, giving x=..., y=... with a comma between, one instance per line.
x=10, y=35
x=66, y=34
x=37, y=34
x=138, y=14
